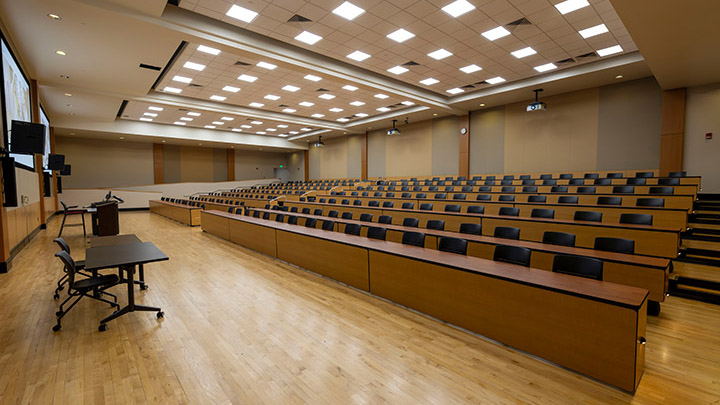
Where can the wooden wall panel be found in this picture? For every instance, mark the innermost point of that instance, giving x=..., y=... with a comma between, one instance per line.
x=673, y=131
x=158, y=163
x=231, y=165
x=363, y=155
x=307, y=165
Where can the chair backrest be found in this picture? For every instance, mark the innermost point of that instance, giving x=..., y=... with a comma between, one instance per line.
x=413, y=239
x=452, y=208
x=256, y=214
x=636, y=181
x=636, y=219
x=662, y=190
x=440, y=196
x=530, y=189
x=587, y=267
x=306, y=210
x=376, y=232
x=669, y=182
x=576, y=182
x=472, y=229
x=677, y=174
x=650, y=202
x=476, y=209
x=421, y=195
x=466, y=188
x=436, y=224
x=385, y=219
x=602, y=182
x=366, y=217
x=614, y=175
x=452, y=245
x=549, y=182
x=542, y=213
x=485, y=189
x=357, y=202
x=63, y=244
x=545, y=176
x=266, y=215
x=432, y=188
x=293, y=209
x=506, y=198
x=346, y=215
x=426, y=206
x=507, y=232
x=459, y=196
x=644, y=174
x=322, y=200
x=408, y=205
x=310, y=222
x=508, y=177
x=509, y=211
x=292, y=220
x=333, y=214
x=559, y=238
x=537, y=198
x=508, y=189
x=586, y=190
x=411, y=222
x=593, y=216
x=388, y=204
x=528, y=182
x=568, y=199
x=374, y=203
x=623, y=190
x=406, y=195
x=606, y=200
x=389, y=195
x=483, y=197
x=558, y=189
x=512, y=254
x=317, y=211
x=68, y=266
x=352, y=229
x=618, y=245
x=345, y=202
x=280, y=218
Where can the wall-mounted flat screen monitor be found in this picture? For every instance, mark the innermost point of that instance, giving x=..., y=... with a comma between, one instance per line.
x=27, y=138
x=56, y=162
x=65, y=171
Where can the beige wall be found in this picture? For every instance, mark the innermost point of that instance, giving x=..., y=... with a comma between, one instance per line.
x=445, y=145
x=354, y=152
x=410, y=152
x=251, y=165
x=702, y=115
x=296, y=166
x=196, y=164
x=332, y=160
x=487, y=140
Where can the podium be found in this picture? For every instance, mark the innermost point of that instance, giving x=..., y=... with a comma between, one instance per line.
x=105, y=218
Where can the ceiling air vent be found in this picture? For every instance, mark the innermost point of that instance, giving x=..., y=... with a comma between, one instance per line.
x=195, y=85
x=150, y=67
x=587, y=55
x=411, y=63
x=241, y=63
x=468, y=86
x=321, y=89
x=183, y=109
x=568, y=60
x=283, y=105
x=522, y=21
x=482, y=82
x=298, y=18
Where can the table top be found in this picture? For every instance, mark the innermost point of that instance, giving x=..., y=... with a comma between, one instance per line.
x=131, y=254
x=114, y=240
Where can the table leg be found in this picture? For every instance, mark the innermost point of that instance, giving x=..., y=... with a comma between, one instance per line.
x=130, y=307
x=141, y=280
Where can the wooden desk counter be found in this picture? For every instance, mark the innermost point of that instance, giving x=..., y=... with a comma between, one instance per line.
x=596, y=328
x=178, y=212
x=689, y=190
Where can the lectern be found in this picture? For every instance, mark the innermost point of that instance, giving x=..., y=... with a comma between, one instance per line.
x=105, y=219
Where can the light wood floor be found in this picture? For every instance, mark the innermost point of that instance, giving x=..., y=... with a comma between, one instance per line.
x=243, y=328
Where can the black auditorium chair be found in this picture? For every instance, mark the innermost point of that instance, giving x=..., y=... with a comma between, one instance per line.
x=623, y=190
x=636, y=219
x=421, y=195
x=507, y=232
x=436, y=224
x=568, y=199
x=310, y=222
x=388, y=204
x=377, y=194
x=576, y=182
x=347, y=215
x=357, y=202
x=677, y=174
x=558, y=189
x=607, y=200
x=345, y=202
x=587, y=267
x=559, y=238
x=529, y=189
x=385, y=219
x=333, y=214
x=408, y=205
x=426, y=206
x=483, y=197
x=322, y=200
x=317, y=211
x=506, y=198
x=374, y=203
x=537, y=199
x=280, y=218
x=376, y=232
x=328, y=225
x=411, y=222
x=452, y=208
x=592, y=216
x=669, y=182
x=472, y=229
x=256, y=214
x=366, y=217
x=644, y=174
x=352, y=229
x=70, y=211
x=586, y=190
x=452, y=245
x=650, y=202
x=440, y=196
x=591, y=175
x=545, y=176
x=661, y=190
x=549, y=182
x=266, y=215
x=476, y=209
x=542, y=213
x=636, y=181
x=603, y=182
x=413, y=239
x=617, y=245
x=292, y=220
x=507, y=189
x=512, y=254
x=566, y=176
x=406, y=195
x=293, y=209
x=484, y=189
x=306, y=210
x=459, y=196
x=509, y=211
x=614, y=175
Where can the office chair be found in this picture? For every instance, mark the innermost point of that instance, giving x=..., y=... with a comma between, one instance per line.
x=542, y=213
x=376, y=232
x=559, y=238
x=83, y=288
x=435, y=224
x=352, y=229
x=79, y=266
x=587, y=267
x=411, y=222
x=69, y=211
x=617, y=245
x=413, y=239
x=507, y=232
x=452, y=245
x=592, y=216
x=471, y=229
x=512, y=254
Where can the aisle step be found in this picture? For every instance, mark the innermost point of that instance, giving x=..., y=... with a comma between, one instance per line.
x=699, y=256
x=696, y=289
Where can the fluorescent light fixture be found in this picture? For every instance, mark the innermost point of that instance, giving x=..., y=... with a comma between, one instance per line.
x=182, y=79
x=261, y=133
x=357, y=103
x=521, y=53
x=495, y=80
x=210, y=126
x=349, y=87
x=342, y=120
x=407, y=103
x=306, y=129
x=247, y=78
x=271, y=129
x=236, y=130
x=592, y=31
x=458, y=8
x=256, y=122
x=471, y=68
x=398, y=70
x=282, y=126
x=227, y=118
x=241, y=13
x=383, y=109
x=610, y=51
x=231, y=89
x=265, y=65
x=194, y=66
x=245, y=126
x=313, y=78
x=218, y=123
x=291, y=88
x=308, y=37
x=153, y=108
x=455, y=90
x=381, y=96
x=335, y=109
x=348, y=10
x=194, y=114
x=256, y=105
x=283, y=135
x=569, y=6
x=361, y=115
x=272, y=97
x=218, y=98
x=293, y=132
x=318, y=115
x=358, y=56
x=306, y=104
x=207, y=49
x=545, y=67
x=150, y=114
x=440, y=54
x=326, y=96
x=429, y=81
x=289, y=110
x=146, y=119
x=179, y=123
x=185, y=119
x=496, y=33
x=172, y=90
x=400, y=35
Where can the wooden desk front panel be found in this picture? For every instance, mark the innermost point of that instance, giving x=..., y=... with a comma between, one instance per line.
x=452, y=222
x=683, y=202
x=344, y=263
x=592, y=337
x=661, y=218
x=647, y=242
x=215, y=225
x=255, y=237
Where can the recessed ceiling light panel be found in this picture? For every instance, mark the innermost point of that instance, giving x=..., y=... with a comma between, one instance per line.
x=440, y=54
x=471, y=68
x=496, y=33
x=308, y=37
x=313, y=78
x=593, y=31
x=358, y=56
x=568, y=6
x=521, y=53
x=495, y=80
x=265, y=65
x=231, y=89
x=610, y=51
x=545, y=67
x=458, y=8
x=398, y=70
x=182, y=79
x=291, y=88
x=455, y=90
x=247, y=78
x=194, y=66
x=207, y=49
x=241, y=13
x=429, y=81
x=348, y=10
x=400, y=35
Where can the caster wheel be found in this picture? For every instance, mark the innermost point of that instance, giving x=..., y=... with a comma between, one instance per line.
x=58, y=313
x=56, y=296
x=143, y=287
x=56, y=328
x=102, y=327
x=160, y=314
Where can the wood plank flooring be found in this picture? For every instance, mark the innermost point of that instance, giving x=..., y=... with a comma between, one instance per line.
x=243, y=328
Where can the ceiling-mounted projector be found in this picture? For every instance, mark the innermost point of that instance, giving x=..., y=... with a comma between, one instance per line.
x=319, y=143
x=393, y=130
x=537, y=105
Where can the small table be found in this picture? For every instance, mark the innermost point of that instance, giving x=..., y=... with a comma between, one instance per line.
x=114, y=240
x=125, y=257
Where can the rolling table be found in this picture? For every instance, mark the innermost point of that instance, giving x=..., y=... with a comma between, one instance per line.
x=98, y=241
x=126, y=257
